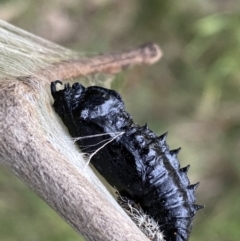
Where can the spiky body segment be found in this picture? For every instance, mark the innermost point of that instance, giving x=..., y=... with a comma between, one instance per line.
x=138, y=163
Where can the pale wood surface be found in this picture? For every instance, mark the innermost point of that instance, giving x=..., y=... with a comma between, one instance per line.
x=28, y=148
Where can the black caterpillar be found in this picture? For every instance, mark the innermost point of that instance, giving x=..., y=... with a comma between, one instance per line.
x=138, y=163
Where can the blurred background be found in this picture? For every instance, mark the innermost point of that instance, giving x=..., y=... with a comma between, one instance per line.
x=193, y=93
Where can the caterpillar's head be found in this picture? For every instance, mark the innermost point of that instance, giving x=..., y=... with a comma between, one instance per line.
x=66, y=99
x=94, y=104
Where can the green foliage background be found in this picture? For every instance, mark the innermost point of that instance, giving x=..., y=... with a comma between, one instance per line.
x=193, y=92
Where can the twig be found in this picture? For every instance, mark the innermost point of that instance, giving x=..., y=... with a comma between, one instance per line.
x=107, y=63
x=34, y=146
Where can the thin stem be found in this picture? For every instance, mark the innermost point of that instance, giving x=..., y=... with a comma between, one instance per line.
x=106, y=63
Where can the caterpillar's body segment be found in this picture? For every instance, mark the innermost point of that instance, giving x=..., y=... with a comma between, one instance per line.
x=138, y=163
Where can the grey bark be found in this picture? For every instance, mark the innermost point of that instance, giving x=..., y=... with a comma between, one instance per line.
x=34, y=145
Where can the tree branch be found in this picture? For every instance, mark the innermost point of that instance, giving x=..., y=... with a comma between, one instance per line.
x=35, y=146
